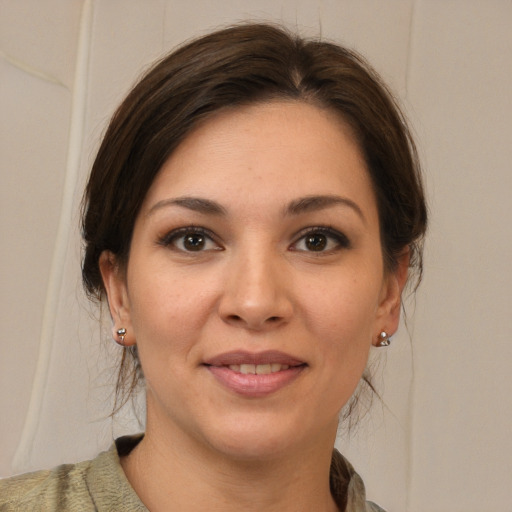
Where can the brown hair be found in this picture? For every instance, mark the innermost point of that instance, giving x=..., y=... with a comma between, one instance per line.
x=237, y=66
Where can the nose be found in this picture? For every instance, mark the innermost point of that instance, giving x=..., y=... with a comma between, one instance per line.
x=256, y=294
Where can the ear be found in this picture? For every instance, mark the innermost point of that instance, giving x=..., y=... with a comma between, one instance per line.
x=388, y=315
x=114, y=280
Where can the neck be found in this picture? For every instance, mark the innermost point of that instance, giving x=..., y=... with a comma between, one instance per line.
x=173, y=473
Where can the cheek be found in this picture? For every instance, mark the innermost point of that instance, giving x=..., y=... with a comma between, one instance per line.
x=343, y=320
x=345, y=310
x=170, y=312
x=162, y=309
x=345, y=350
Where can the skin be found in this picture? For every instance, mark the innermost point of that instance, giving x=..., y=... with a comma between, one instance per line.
x=255, y=284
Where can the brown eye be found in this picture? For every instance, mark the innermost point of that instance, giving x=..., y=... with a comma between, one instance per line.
x=316, y=242
x=190, y=239
x=321, y=239
x=194, y=242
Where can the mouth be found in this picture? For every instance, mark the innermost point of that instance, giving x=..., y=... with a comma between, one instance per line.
x=258, y=369
x=255, y=374
x=241, y=358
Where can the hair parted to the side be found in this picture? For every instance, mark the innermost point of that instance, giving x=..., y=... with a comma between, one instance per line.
x=241, y=65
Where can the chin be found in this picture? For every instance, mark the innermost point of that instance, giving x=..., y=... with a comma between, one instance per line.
x=253, y=448
x=252, y=439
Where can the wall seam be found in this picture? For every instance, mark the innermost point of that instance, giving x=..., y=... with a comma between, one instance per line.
x=24, y=451
x=18, y=64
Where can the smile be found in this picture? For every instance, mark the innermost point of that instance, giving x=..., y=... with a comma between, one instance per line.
x=255, y=375
x=258, y=369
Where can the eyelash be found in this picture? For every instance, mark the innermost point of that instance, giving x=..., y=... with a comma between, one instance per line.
x=340, y=239
x=170, y=239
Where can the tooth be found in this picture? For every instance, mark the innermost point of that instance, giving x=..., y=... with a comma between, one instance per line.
x=263, y=369
x=248, y=368
x=259, y=369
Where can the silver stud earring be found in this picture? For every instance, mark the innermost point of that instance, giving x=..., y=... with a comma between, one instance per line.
x=120, y=335
x=384, y=340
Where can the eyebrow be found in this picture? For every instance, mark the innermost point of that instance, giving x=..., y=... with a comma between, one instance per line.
x=296, y=207
x=316, y=203
x=205, y=206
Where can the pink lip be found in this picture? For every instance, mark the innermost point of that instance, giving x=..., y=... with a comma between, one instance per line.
x=244, y=357
x=250, y=385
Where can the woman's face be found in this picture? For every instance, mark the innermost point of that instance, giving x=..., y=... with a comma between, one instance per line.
x=255, y=282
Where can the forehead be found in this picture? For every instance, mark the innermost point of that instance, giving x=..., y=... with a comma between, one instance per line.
x=273, y=151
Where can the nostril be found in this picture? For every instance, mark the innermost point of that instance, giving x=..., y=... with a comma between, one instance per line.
x=237, y=319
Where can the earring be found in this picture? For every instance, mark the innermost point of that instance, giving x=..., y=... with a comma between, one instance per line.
x=384, y=340
x=120, y=335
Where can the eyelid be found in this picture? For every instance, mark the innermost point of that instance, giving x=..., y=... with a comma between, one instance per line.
x=170, y=237
x=341, y=239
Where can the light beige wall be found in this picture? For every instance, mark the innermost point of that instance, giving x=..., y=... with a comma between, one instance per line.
x=460, y=76
x=441, y=441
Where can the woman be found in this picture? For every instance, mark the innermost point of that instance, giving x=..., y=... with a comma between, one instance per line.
x=251, y=217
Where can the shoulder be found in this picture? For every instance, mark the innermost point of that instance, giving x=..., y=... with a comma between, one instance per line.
x=96, y=485
x=62, y=488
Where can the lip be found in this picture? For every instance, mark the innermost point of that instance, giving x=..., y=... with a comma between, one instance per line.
x=254, y=385
x=245, y=357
